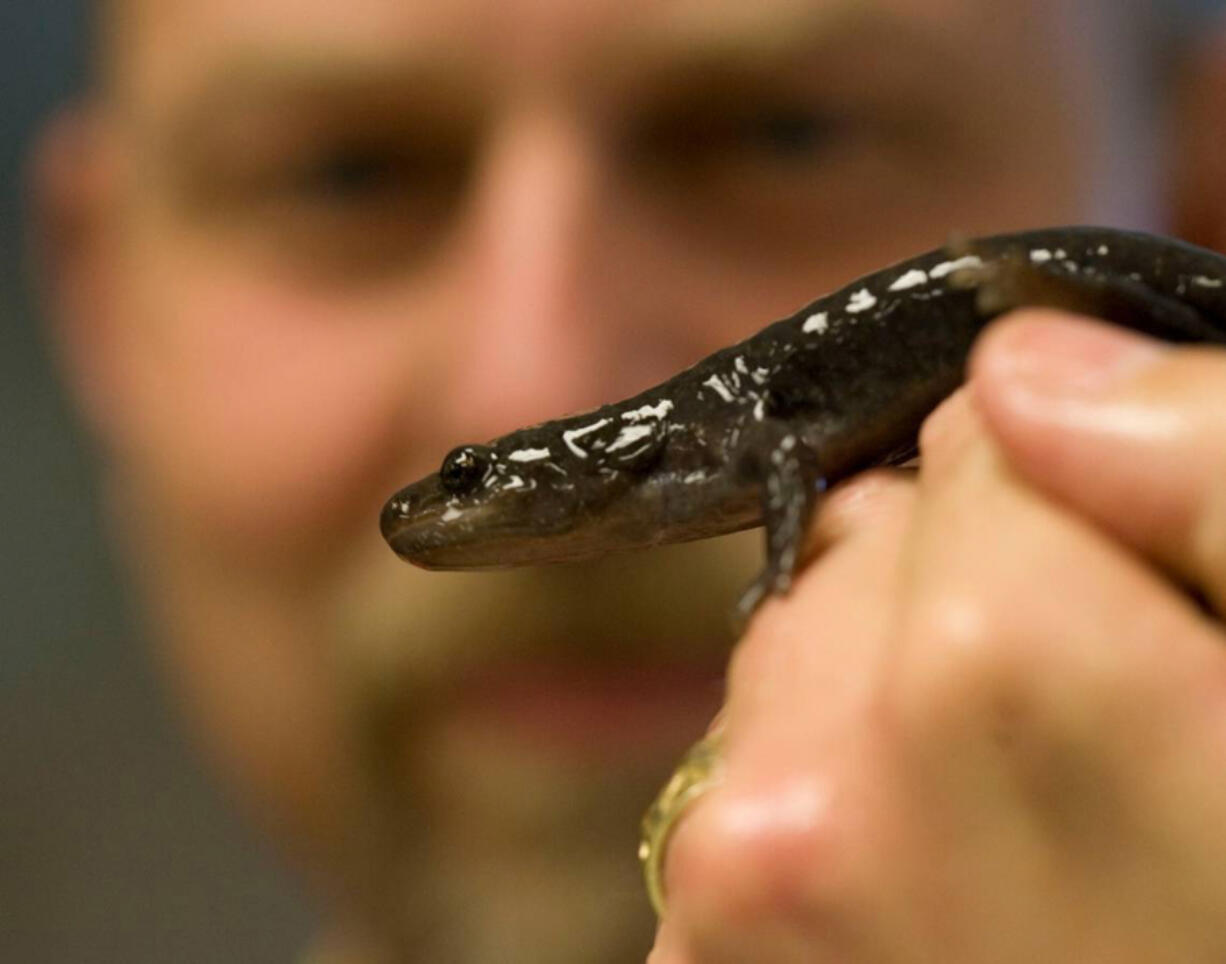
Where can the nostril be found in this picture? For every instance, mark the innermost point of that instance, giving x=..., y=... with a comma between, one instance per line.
x=395, y=510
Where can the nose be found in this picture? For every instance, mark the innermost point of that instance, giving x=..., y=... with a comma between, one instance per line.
x=537, y=328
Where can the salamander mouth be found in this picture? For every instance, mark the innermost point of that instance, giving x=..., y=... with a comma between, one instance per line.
x=430, y=543
x=428, y=527
x=431, y=528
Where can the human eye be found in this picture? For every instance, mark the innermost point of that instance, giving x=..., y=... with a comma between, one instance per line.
x=338, y=198
x=346, y=176
x=759, y=165
x=740, y=135
x=345, y=189
x=789, y=132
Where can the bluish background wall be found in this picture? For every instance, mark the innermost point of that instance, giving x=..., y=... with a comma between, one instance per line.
x=114, y=846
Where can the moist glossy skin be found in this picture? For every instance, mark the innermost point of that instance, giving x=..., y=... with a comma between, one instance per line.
x=756, y=431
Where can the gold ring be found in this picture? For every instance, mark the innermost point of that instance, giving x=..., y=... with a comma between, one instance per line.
x=698, y=772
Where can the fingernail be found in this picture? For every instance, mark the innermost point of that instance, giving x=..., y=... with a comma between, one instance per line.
x=1064, y=357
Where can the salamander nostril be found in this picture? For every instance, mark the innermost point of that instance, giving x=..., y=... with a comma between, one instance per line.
x=395, y=510
x=463, y=468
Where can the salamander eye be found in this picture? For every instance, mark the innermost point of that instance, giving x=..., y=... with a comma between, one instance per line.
x=463, y=468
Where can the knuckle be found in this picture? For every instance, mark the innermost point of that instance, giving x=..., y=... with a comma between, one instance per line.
x=877, y=497
x=958, y=660
x=748, y=668
x=1148, y=669
x=948, y=429
x=760, y=665
x=1209, y=546
x=746, y=860
x=933, y=429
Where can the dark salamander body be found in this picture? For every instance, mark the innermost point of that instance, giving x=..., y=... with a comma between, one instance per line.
x=754, y=433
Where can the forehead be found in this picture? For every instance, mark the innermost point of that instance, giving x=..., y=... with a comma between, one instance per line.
x=162, y=48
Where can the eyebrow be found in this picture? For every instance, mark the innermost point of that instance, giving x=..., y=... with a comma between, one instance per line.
x=684, y=48
x=263, y=82
x=761, y=42
x=751, y=32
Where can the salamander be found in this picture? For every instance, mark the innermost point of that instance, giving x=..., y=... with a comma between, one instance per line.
x=756, y=432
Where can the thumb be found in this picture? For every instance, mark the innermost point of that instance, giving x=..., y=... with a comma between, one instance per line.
x=1127, y=431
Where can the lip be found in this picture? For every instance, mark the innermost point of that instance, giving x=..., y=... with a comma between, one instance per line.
x=590, y=713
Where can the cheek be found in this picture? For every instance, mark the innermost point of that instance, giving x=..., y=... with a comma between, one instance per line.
x=269, y=418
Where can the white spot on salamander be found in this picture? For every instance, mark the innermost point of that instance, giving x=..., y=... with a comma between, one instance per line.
x=514, y=482
x=740, y=365
x=911, y=279
x=1102, y=250
x=861, y=300
x=1040, y=255
x=717, y=384
x=816, y=323
x=569, y=436
x=658, y=410
x=1203, y=281
x=698, y=475
x=451, y=514
x=949, y=267
x=529, y=455
x=629, y=435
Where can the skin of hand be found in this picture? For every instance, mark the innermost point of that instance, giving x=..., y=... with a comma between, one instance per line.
x=989, y=724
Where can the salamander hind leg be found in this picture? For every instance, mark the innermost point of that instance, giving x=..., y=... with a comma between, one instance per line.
x=774, y=457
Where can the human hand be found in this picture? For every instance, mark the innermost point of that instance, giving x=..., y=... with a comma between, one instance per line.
x=990, y=723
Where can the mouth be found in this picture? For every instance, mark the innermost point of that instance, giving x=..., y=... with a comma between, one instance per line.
x=433, y=534
x=432, y=529
x=616, y=662
x=424, y=526
x=586, y=713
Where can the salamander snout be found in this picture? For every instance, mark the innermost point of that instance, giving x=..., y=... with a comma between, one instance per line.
x=395, y=511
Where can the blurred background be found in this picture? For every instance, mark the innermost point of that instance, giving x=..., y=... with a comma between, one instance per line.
x=114, y=845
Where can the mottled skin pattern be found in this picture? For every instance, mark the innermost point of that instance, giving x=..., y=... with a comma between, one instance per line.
x=754, y=433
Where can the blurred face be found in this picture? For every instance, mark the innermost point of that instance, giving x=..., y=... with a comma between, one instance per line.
x=336, y=239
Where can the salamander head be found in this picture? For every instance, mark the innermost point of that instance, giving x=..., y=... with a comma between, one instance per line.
x=540, y=495
x=459, y=516
x=625, y=476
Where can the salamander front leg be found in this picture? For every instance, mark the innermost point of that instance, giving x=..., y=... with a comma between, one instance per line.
x=792, y=483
